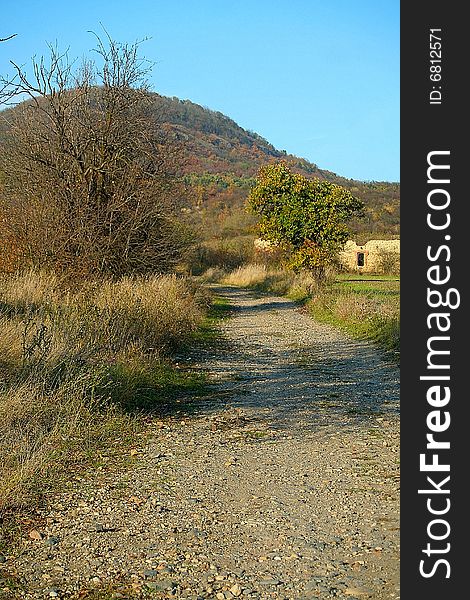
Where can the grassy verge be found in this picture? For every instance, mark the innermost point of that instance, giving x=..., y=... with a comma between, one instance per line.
x=79, y=369
x=366, y=307
x=208, y=331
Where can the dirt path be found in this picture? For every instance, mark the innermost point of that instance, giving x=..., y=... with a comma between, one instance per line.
x=283, y=484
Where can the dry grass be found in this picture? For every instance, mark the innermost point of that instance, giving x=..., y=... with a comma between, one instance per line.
x=247, y=275
x=262, y=278
x=73, y=362
x=275, y=280
x=365, y=309
x=156, y=313
x=227, y=254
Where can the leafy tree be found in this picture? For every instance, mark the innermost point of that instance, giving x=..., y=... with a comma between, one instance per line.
x=306, y=216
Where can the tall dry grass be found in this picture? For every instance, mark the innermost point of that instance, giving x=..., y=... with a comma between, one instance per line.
x=276, y=280
x=364, y=309
x=72, y=362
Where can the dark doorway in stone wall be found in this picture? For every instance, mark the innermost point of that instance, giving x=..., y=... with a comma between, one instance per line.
x=361, y=259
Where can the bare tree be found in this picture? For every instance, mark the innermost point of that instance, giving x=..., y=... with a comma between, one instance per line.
x=5, y=84
x=91, y=179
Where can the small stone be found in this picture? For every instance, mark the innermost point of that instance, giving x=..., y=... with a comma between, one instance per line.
x=34, y=534
x=236, y=589
x=51, y=541
x=3, y=559
x=150, y=573
x=220, y=596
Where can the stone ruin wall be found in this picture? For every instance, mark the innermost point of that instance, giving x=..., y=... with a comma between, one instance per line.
x=376, y=253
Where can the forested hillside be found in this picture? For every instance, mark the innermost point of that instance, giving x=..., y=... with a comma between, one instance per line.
x=221, y=160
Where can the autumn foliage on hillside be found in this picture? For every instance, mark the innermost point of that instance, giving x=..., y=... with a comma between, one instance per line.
x=222, y=160
x=219, y=161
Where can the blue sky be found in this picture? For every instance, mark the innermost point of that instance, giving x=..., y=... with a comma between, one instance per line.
x=319, y=79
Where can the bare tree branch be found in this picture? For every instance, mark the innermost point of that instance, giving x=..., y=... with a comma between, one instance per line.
x=8, y=38
x=90, y=179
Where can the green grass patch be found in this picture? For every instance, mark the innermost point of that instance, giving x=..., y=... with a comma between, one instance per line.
x=365, y=278
x=208, y=331
x=364, y=309
x=146, y=386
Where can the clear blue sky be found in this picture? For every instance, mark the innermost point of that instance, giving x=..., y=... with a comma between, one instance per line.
x=317, y=78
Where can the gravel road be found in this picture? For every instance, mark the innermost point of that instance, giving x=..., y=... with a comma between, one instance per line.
x=281, y=483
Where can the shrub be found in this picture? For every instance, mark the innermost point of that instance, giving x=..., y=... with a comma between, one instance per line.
x=92, y=183
x=73, y=362
x=222, y=254
x=389, y=262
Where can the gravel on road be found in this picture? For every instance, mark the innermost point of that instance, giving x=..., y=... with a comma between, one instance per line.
x=282, y=482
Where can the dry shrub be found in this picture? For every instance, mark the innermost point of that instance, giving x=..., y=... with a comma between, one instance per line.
x=157, y=312
x=64, y=357
x=92, y=178
x=214, y=275
x=223, y=254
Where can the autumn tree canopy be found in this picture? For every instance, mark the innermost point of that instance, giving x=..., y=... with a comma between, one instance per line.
x=306, y=216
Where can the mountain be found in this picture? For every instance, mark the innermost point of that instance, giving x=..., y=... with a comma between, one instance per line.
x=222, y=160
